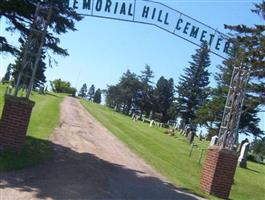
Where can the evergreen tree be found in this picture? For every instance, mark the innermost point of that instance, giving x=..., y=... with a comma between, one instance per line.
x=125, y=95
x=91, y=92
x=129, y=87
x=8, y=74
x=147, y=75
x=211, y=113
x=19, y=14
x=193, y=88
x=97, y=97
x=40, y=78
x=144, y=100
x=163, y=97
x=113, y=96
x=250, y=43
x=258, y=146
x=83, y=91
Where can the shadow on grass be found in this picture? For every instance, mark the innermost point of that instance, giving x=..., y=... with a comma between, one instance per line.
x=34, y=151
x=74, y=175
x=51, y=94
x=253, y=170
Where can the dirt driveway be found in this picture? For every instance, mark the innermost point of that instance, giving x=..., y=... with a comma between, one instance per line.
x=90, y=163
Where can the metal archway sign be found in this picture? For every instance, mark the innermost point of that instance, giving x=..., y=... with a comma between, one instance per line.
x=159, y=15
x=163, y=17
x=187, y=28
x=176, y=23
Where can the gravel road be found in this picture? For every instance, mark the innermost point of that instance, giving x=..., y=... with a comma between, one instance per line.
x=89, y=163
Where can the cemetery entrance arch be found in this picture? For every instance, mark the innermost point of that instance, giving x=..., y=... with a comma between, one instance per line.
x=182, y=26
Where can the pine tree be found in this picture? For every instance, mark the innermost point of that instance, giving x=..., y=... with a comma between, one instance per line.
x=163, y=97
x=144, y=97
x=91, y=92
x=147, y=75
x=211, y=113
x=124, y=96
x=113, y=96
x=19, y=14
x=40, y=78
x=251, y=41
x=97, y=97
x=8, y=74
x=250, y=44
x=258, y=146
x=83, y=91
x=193, y=88
x=129, y=87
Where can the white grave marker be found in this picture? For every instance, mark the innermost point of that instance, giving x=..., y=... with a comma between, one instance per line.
x=242, y=160
x=214, y=140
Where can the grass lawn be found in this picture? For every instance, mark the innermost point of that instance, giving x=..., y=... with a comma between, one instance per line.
x=170, y=155
x=45, y=117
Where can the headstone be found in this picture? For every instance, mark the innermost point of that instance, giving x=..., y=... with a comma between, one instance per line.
x=187, y=129
x=152, y=123
x=242, y=160
x=241, y=144
x=151, y=115
x=214, y=140
x=190, y=137
x=134, y=117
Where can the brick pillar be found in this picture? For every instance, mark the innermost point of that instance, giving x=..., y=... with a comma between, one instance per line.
x=218, y=172
x=14, y=122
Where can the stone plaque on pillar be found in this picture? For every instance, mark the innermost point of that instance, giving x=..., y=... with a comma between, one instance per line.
x=14, y=122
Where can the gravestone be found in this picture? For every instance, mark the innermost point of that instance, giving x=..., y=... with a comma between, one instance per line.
x=241, y=144
x=242, y=160
x=187, y=129
x=191, y=136
x=214, y=140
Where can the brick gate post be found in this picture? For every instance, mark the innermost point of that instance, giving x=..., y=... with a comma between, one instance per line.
x=14, y=122
x=218, y=172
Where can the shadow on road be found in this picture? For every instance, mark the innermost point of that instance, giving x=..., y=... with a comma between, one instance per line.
x=74, y=175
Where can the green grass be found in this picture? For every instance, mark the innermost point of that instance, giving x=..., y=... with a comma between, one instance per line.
x=45, y=117
x=169, y=155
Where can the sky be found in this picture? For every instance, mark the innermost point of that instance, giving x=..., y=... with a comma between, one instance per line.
x=102, y=49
